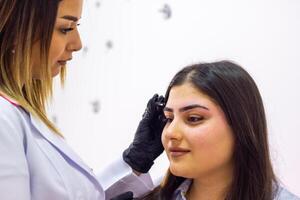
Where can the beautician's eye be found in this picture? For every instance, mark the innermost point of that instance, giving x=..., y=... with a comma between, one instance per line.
x=66, y=30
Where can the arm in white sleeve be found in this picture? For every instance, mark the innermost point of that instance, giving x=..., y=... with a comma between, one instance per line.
x=14, y=175
x=118, y=177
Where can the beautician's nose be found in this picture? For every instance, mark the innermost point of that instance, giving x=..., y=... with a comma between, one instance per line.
x=75, y=43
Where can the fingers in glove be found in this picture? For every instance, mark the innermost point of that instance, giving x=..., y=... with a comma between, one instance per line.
x=151, y=107
x=153, y=99
x=160, y=101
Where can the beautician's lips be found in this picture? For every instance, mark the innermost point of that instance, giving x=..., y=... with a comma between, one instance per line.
x=63, y=62
x=177, y=151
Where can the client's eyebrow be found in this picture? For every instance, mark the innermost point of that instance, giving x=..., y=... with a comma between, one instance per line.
x=70, y=17
x=186, y=108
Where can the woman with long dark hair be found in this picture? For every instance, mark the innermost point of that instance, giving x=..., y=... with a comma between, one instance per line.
x=216, y=137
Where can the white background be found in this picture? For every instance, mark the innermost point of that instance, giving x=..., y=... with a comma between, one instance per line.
x=132, y=50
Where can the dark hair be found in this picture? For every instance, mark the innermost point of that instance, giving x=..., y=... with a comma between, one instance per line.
x=233, y=89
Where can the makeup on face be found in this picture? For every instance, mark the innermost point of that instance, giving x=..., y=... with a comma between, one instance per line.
x=197, y=138
x=190, y=114
x=177, y=151
x=66, y=39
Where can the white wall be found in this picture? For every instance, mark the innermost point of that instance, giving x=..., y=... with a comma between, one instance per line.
x=148, y=49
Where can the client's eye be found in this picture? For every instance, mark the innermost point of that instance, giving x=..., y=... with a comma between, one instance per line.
x=195, y=119
x=168, y=119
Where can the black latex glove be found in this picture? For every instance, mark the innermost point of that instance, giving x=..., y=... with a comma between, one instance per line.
x=124, y=196
x=147, y=146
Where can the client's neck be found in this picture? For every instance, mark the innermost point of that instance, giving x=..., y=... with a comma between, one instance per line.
x=213, y=186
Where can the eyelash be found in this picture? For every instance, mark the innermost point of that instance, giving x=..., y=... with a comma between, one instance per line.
x=66, y=30
x=194, y=119
x=190, y=119
x=168, y=119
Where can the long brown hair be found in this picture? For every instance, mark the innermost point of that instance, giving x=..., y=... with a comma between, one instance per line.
x=233, y=89
x=22, y=24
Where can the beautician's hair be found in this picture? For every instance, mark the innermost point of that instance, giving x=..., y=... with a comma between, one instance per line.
x=233, y=89
x=23, y=24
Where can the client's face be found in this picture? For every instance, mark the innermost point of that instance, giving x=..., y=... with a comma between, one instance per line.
x=197, y=139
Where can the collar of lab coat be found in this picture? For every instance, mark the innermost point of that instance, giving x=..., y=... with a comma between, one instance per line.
x=60, y=144
x=55, y=140
x=12, y=101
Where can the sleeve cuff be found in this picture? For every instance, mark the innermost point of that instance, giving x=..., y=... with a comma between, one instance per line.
x=118, y=177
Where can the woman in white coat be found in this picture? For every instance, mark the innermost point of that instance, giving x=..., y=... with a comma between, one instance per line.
x=37, y=38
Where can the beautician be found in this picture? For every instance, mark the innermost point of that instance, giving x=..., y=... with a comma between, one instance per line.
x=37, y=39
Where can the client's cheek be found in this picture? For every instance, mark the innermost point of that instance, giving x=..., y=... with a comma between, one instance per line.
x=164, y=141
x=201, y=135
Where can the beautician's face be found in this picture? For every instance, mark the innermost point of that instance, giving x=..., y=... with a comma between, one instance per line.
x=197, y=139
x=65, y=39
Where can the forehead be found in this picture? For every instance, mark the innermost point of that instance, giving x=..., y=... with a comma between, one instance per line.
x=70, y=7
x=187, y=94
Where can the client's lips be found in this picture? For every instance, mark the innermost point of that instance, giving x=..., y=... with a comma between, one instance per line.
x=177, y=151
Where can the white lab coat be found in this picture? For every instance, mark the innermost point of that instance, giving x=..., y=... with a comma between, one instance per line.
x=36, y=164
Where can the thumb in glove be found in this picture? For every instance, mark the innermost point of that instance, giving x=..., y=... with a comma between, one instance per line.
x=147, y=146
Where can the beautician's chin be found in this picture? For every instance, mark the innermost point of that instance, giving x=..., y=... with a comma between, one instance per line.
x=57, y=68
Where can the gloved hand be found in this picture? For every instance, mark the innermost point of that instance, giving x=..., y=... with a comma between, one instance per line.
x=147, y=146
x=125, y=196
